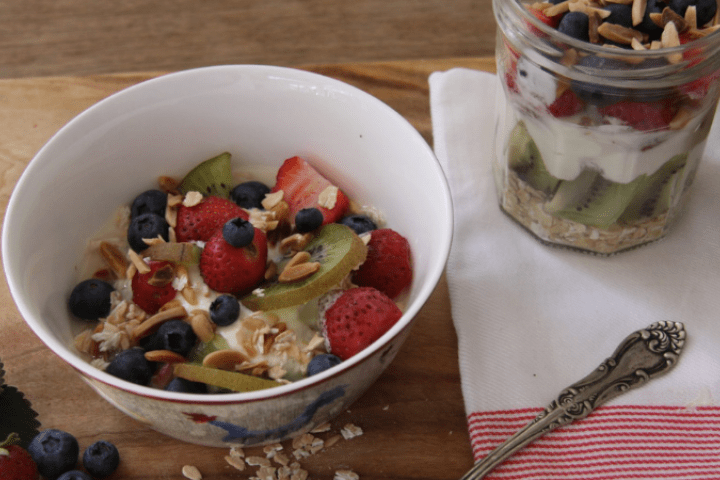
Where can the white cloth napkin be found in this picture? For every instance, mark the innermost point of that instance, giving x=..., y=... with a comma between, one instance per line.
x=533, y=319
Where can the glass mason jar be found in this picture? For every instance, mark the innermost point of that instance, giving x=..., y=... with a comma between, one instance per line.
x=597, y=146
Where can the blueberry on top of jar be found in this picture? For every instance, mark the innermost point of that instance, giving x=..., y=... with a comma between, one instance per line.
x=575, y=25
x=308, y=219
x=224, y=310
x=249, y=194
x=147, y=225
x=238, y=232
x=90, y=299
x=620, y=14
x=359, y=223
x=150, y=201
x=704, y=9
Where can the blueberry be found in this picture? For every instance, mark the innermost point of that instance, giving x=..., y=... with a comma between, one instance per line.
x=54, y=451
x=132, y=366
x=177, y=336
x=647, y=25
x=705, y=9
x=359, y=223
x=90, y=299
x=238, y=232
x=249, y=194
x=322, y=362
x=224, y=310
x=101, y=459
x=182, y=385
x=308, y=219
x=596, y=93
x=575, y=24
x=147, y=225
x=74, y=475
x=619, y=14
x=150, y=201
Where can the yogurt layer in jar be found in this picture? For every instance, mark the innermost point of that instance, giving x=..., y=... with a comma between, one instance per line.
x=604, y=116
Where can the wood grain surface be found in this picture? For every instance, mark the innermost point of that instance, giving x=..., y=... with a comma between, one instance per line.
x=413, y=417
x=80, y=37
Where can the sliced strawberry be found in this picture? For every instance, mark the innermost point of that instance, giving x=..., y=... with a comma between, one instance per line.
x=644, y=116
x=388, y=266
x=566, y=105
x=17, y=464
x=154, y=289
x=358, y=318
x=302, y=186
x=228, y=269
x=202, y=220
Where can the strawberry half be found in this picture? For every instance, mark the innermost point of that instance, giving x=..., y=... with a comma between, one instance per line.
x=644, y=116
x=358, y=318
x=388, y=266
x=202, y=220
x=152, y=290
x=228, y=269
x=302, y=186
x=16, y=463
x=566, y=105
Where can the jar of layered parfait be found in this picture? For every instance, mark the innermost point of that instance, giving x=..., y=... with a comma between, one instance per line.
x=606, y=110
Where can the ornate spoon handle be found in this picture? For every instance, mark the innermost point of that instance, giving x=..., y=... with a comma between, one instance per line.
x=643, y=355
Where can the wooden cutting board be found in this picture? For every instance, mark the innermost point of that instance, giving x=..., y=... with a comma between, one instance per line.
x=413, y=417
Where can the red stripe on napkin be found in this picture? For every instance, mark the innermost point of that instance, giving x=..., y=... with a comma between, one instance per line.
x=613, y=443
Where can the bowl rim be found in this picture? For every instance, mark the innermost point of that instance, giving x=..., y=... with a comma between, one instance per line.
x=265, y=71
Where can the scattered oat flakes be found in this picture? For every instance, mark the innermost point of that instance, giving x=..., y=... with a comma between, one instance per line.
x=346, y=475
x=257, y=461
x=237, y=452
x=236, y=462
x=191, y=472
x=328, y=197
x=324, y=427
x=351, y=431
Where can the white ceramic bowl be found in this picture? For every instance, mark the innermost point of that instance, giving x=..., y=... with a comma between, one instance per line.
x=164, y=126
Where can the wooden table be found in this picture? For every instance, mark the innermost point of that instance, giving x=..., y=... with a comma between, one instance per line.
x=80, y=37
x=413, y=417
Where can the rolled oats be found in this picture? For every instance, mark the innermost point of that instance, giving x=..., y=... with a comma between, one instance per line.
x=191, y=472
x=272, y=199
x=236, y=462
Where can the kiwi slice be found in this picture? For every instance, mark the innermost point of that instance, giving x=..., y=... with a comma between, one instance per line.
x=591, y=199
x=211, y=177
x=237, y=382
x=525, y=159
x=655, y=194
x=204, y=349
x=338, y=250
x=176, y=252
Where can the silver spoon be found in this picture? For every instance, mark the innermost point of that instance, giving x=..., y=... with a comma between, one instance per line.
x=643, y=355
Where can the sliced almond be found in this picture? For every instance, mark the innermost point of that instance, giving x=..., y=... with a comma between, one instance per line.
x=669, y=39
x=188, y=293
x=681, y=118
x=153, y=323
x=669, y=16
x=163, y=356
x=203, y=327
x=587, y=10
x=558, y=9
x=295, y=242
x=657, y=19
x=637, y=45
x=594, y=22
x=174, y=303
x=174, y=200
x=114, y=259
x=619, y=34
x=272, y=199
x=271, y=270
x=638, y=11
x=168, y=184
x=226, y=359
x=281, y=211
x=162, y=276
x=298, y=272
x=138, y=262
x=691, y=17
